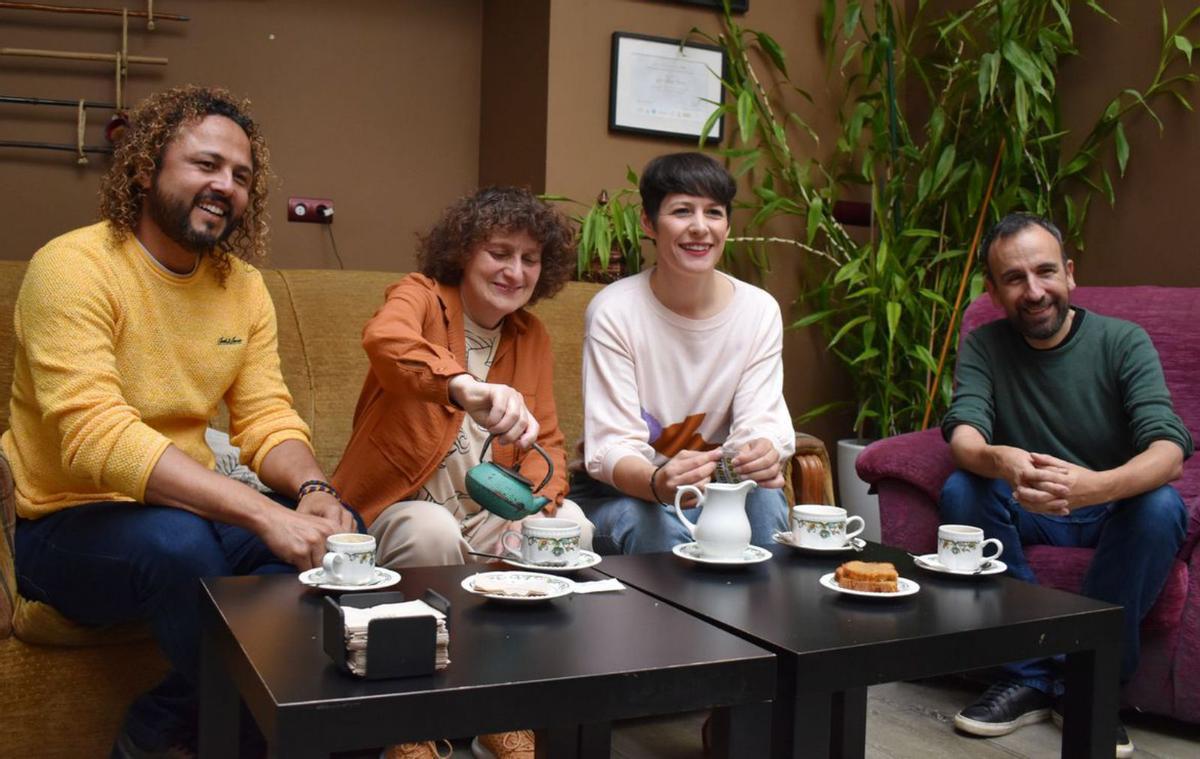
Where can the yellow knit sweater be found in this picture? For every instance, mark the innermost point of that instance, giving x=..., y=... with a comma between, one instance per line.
x=116, y=358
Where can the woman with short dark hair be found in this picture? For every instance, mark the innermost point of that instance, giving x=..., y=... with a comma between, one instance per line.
x=680, y=362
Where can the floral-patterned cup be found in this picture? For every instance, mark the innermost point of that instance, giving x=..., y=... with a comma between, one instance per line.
x=351, y=558
x=816, y=525
x=960, y=547
x=546, y=542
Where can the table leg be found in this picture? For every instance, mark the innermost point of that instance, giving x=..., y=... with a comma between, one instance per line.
x=822, y=723
x=554, y=742
x=848, y=728
x=1090, y=703
x=219, y=704
x=595, y=740
x=741, y=730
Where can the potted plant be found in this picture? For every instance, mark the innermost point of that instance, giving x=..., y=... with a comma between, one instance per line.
x=610, y=234
x=946, y=124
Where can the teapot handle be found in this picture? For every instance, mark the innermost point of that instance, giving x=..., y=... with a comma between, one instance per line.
x=536, y=447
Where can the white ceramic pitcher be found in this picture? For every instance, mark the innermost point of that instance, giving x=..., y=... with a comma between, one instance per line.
x=723, y=529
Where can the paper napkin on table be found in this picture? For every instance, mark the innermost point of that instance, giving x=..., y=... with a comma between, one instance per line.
x=599, y=586
x=357, y=621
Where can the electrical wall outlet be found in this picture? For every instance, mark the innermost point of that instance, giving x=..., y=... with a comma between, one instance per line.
x=315, y=210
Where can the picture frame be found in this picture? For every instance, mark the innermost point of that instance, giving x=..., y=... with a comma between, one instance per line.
x=664, y=87
x=737, y=6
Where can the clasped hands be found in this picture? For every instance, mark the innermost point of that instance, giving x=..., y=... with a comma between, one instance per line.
x=757, y=460
x=1045, y=484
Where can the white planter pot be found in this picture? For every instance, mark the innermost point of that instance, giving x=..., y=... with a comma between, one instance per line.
x=852, y=492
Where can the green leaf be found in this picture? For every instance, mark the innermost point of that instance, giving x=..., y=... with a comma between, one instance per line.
x=944, y=164
x=1063, y=16
x=987, y=76
x=745, y=115
x=773, y=51
x=847, y=271
x=914, y=232
x=847, y=327
x=631, y=176
x=1023, y=63
x=828, y=21
x=1184, y=45
x=709, y=123
x=813, y=318
x=1096, y=7
x=924, y=183
x=1021, y=104
x=815, y=216
x=893, y=318
x=922, y=354
x=866, y=355
x=1122, y=146
x=853, y=11
x=1106, y=182
x=881, y=255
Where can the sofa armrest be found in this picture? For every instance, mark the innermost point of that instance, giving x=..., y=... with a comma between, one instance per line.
x=920, y=459
x=809, y=475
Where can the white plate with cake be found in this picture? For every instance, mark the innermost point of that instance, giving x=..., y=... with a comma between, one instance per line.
x=869, y=579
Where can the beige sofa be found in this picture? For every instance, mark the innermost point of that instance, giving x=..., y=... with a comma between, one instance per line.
x=64, y=688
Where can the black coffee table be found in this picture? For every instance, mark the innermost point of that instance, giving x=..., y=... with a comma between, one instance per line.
x=565, y=668
x=831, y=646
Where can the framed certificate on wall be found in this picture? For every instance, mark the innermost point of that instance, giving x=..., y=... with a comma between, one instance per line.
x=661, y=86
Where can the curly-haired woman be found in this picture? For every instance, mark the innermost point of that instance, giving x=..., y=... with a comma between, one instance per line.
x=455, y=357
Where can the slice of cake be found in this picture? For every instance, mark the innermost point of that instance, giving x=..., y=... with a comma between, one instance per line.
x=869, y=576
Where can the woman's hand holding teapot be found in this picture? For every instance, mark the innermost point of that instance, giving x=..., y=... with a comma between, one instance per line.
x=499, y=409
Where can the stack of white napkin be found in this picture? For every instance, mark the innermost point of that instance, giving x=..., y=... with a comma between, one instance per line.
x=356, y=631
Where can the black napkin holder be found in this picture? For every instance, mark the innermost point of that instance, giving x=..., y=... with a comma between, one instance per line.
x=399, y=647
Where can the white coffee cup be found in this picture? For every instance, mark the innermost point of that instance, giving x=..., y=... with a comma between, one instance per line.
x=960, y=547
x=816, y=525
x=546, y=542
x=350, y=559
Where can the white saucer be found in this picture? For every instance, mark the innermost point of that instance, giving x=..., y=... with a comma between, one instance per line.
x=787, y=539
x=315, y=578
x=930, y=562
x=905, y=587
x=551, y=586
x=691, y=552
x=586, y=560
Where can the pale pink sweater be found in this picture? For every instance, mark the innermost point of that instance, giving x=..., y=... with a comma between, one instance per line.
x=656, y=383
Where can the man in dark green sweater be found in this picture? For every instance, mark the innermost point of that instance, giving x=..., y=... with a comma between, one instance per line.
x=1064, y=434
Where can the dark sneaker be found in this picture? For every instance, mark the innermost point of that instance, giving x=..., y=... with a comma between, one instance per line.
x=1003, y=708
x=1124, y=743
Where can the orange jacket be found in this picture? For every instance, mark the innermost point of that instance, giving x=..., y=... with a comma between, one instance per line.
x=404, y=422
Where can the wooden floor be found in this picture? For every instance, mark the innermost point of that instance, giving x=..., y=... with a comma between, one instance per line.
x=909, y=720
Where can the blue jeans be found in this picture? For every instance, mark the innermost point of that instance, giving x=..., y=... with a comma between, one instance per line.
x=625, y=524
x=1136, y=540
x=112, y=562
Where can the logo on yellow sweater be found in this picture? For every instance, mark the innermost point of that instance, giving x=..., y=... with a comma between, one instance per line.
x=229, y=341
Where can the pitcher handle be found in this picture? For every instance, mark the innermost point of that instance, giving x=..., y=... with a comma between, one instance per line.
x=679, y=510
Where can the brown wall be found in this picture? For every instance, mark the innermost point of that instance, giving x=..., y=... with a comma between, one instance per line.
x=384, y=106
x=373, y=103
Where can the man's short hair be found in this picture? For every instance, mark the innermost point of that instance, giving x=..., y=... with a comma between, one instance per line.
x=1011, y=225
x=443, y=253
x=686, y=173
x=153, y=124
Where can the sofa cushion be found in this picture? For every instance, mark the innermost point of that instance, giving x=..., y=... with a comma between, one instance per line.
x=1064, y=568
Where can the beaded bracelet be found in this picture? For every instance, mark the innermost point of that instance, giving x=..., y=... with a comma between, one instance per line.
x=654, y=476
x=312, y=486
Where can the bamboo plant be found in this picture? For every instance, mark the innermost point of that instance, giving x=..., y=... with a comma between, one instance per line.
x=946, y=124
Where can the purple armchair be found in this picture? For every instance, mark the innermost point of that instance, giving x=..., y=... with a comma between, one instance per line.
x=907, y=471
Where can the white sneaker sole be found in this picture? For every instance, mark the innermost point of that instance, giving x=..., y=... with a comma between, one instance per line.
x=993, y=729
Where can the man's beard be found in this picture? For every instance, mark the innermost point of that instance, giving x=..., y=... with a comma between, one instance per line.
x=1042, y=330
x=173, y=217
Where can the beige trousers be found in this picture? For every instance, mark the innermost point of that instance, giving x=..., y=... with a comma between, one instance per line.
x=423, y=533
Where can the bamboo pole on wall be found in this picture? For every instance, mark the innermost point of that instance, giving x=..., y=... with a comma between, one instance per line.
x=77, y=56
x=45, y=7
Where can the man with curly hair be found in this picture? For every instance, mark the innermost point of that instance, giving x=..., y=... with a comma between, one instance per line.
x=454, y=358
x=129, y=333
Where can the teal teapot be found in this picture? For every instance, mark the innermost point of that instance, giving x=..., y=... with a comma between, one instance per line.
x=505, y=492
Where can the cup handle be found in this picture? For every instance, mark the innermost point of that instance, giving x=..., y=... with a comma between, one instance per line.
x=679, y=509
x=999, y=549
x=516, y=552
x=862, y=525
x=332, y=563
